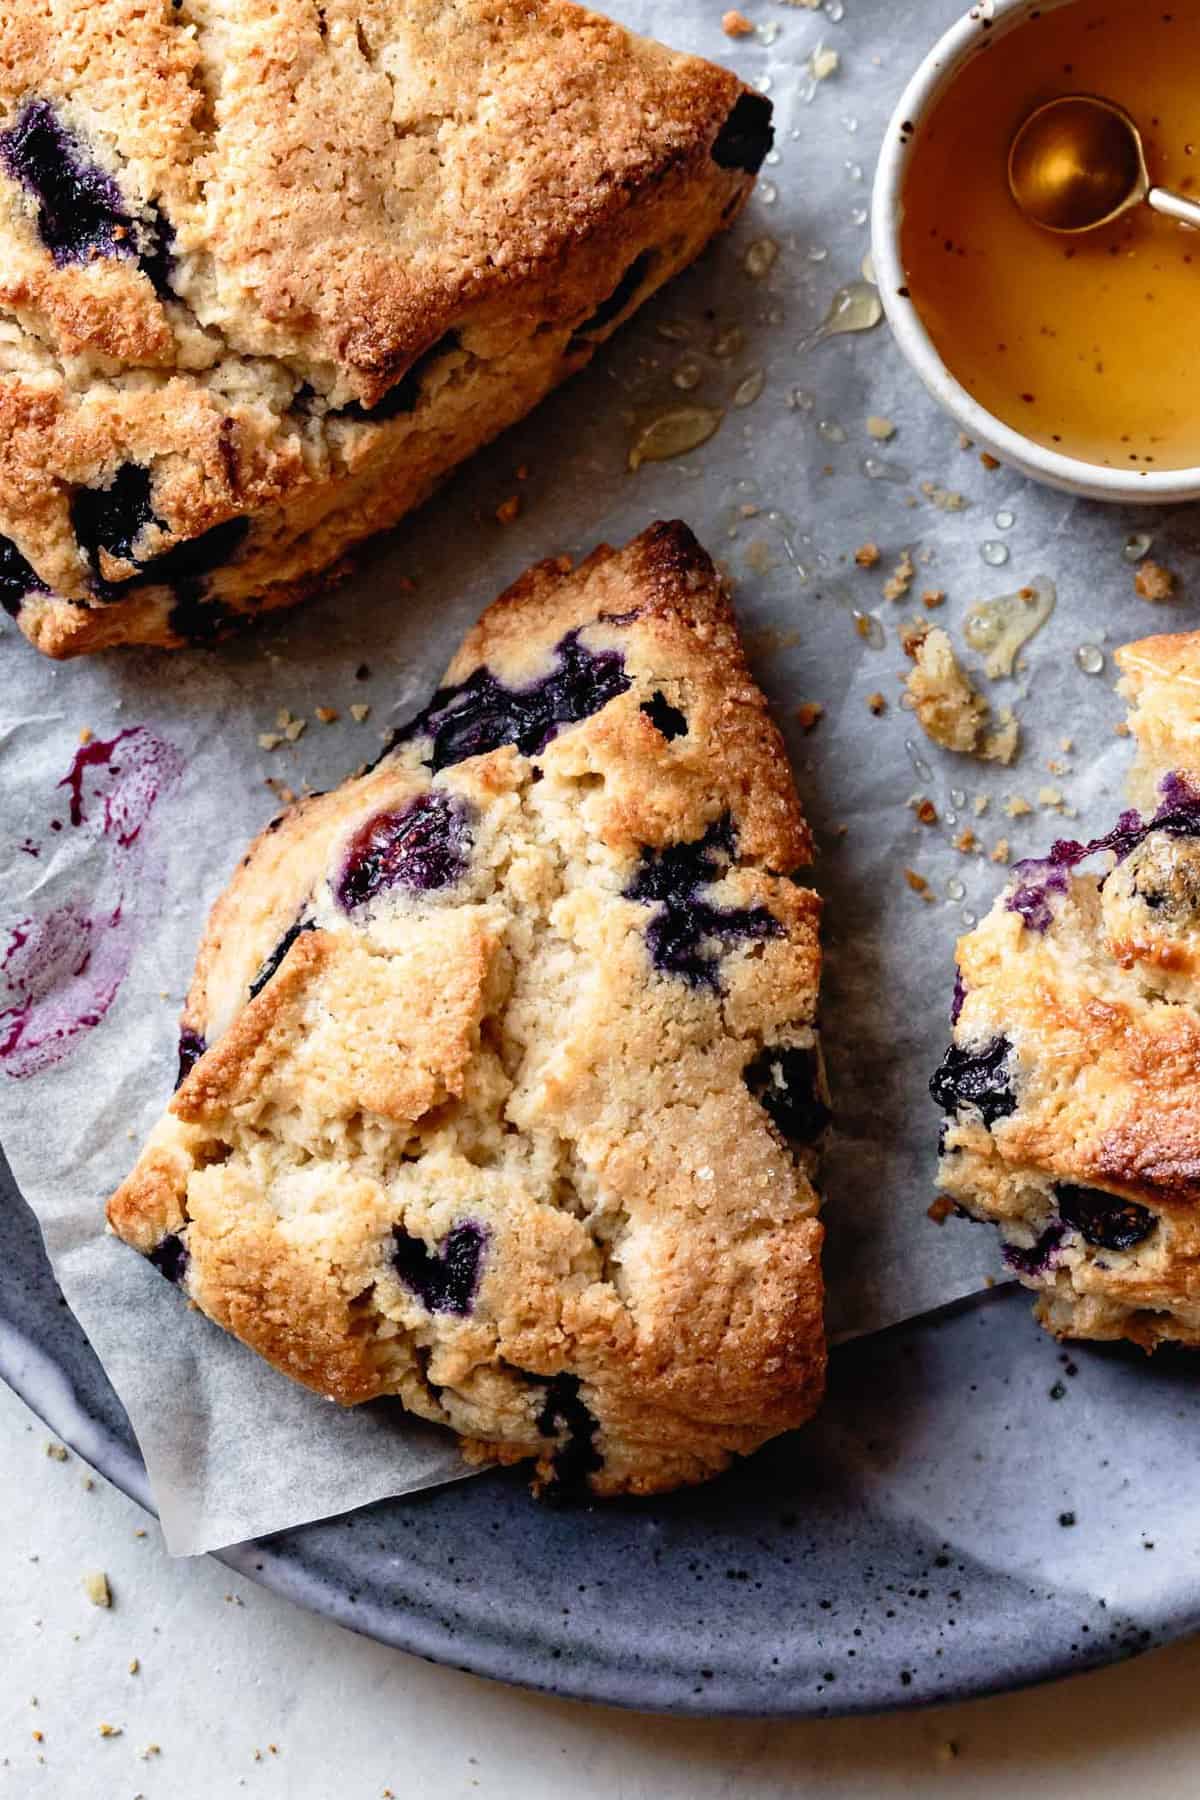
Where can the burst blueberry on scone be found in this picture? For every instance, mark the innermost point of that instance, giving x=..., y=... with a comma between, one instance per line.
x=269, y=270
x=1072, y=1088
x=501, y=1090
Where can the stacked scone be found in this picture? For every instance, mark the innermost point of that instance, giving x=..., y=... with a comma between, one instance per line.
x=1073, y=1084
x=501, y=1084
x=271, y=270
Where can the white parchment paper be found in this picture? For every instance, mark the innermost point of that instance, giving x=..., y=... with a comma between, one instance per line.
x=106, y=884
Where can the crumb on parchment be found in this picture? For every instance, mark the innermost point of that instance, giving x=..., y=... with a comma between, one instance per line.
x=919, y=885
x=1154, y=582
x=901, y=577
x=867, y=556
x=876, y=703
x=95, y=1586
x=809, y=713
x=950, y=709
x=735, y=24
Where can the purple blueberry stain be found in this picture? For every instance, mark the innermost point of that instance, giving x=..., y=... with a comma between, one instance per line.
x=665, y=718
x=1104, y=1220
x=61, y=971
x=684, y=924
x=18, y=578
x=566, y=1419
x=1040, y=1257
x=170, y=1257
x=424, y=846
x=746, y=135
x=787, y=1084
x=191, y=1048
x=81, y=212
x=976, y=1078
x=445, y=1279
x=482, y=713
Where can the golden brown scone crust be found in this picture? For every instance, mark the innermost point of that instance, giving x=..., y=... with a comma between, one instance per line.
x=1079, y=1029
x=354, y=242
x=503, y=1134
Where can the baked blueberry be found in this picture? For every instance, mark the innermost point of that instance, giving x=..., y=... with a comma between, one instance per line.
x=786, y=1081
x=113, y=518
x=621, y=297
x=1104, y=1220
x=423, y=846
x=976, y=1078
x=445, y=1279
x=664, y=717
x=80, y=211
x=481, y=713
x=17, y=578
x=170, y=1257
x=684, y=924
x=746, y=136
x=565, y=1418
x=1041, y=1256
x=271, y=966
x=191, y=1048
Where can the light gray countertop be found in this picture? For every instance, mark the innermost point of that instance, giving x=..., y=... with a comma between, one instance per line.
x=242, y=1692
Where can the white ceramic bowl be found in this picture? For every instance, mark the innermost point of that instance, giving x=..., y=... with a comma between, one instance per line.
x=1069, y=473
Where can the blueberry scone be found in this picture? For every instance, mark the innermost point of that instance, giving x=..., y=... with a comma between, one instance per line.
x=501, y=1090
x=270, y=268
x=1073, y=1083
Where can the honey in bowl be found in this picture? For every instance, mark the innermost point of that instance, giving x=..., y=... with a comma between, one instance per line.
x=1086, y=344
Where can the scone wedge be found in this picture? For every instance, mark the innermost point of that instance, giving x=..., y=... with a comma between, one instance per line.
x=1073, y=1084
x=502, y=1089
x=270, y=269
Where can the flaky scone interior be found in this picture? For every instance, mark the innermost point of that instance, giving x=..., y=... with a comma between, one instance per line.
x=501, y=1083
x=1072, y=1087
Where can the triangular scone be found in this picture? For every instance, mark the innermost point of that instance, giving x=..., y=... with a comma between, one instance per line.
x=512, y=1091
x=269, y=269
x=1073, y=1083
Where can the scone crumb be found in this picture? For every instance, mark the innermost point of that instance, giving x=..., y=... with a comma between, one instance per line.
x=867, y=556
x=106, y=1730
x=1121, y=728
x=1001, y=852
x=295, y=729
x=95, y=1586
x=1051, y=799
x=86, y=734
x=918, y=884
x=1017, y=807
x=134, y=1665
x=508, y=510
x=735, y=24
x=269, y=740
x=945, y=499
x=941, y=1209
x=1154, y=582
x=913, y=634
x=149, y=1750
x=809, y=713
x=933, y=597
x=57, y=1452
x=328, y=715
x=824, y=62
x=880, y=429
x=360, y=712
x=981, y=803
x=285, y=795
x=966, y=841
x=901, y=578
x=876, y=703
x=988, y=460
x=924, y=808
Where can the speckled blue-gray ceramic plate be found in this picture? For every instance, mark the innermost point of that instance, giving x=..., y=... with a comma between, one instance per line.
x=976, y=1509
